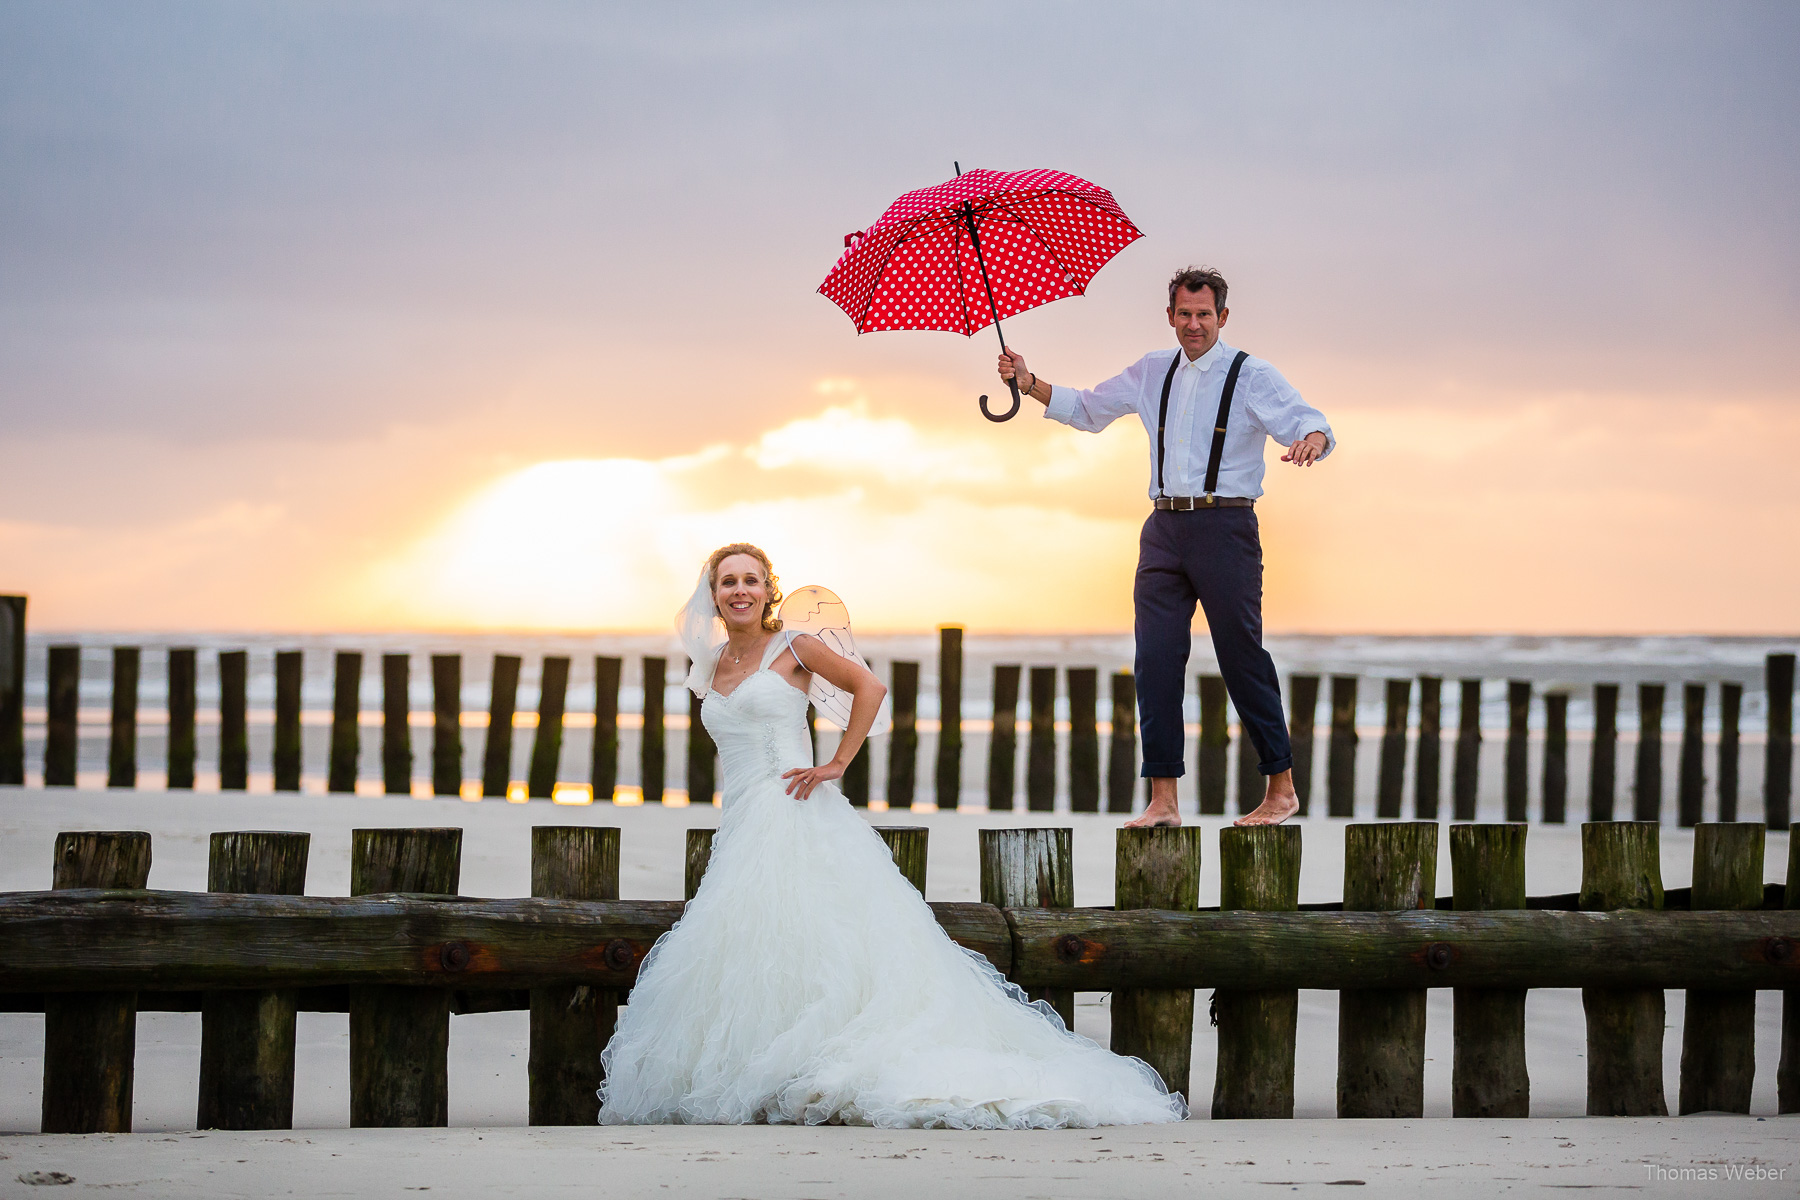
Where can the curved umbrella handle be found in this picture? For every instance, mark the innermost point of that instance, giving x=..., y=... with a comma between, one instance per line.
x=1010, y=413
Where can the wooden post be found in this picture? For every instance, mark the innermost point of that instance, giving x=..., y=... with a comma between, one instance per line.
x=1032, y=868
x=903, y=744
x=62, y=717
x=346, y=715
x=503, y=699
x=604, y=771
x=1518, y=741
x=12, y=690
x=396, y=730
x=1157, y=868
x=1646, y=785
x=1731, y=701
x=1556, y=758
x=1603, y=765
x=570, y=1025
x=1215, y=739
x=247, y=1037
x=1003, y=743
x=1340, y=772
x=90, y=1038
x=1690, y=786
x=234, y=720
x=1040, y=752
x=1303, y=709
x=651, y=757
x=446, y=725
x=908, y=845
x=1787, y=1071
x=1121, y=748
x=1487, y=1075
x=286, y=759
x=1084, y=739
x=121, y=752
x=1778, y=751
x=1621, y=868
x=1391, y=789
x=702, y=755
x=400, y=1036
x=1259, y=870
x=1428, y=764
x=699, y=854
x=1465, y=773
x=1718, y=1036
x=183, y=696
x=856, y=778
x=1251, y=782
x=1381, y=1033
x=949, y=745
x=546, y=747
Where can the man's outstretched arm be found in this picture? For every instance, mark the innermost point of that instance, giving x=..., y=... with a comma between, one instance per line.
x=1090, y=410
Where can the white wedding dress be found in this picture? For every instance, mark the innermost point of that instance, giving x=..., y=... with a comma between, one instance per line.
x=808, y=982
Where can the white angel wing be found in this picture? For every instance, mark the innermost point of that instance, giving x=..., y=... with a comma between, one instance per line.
x=818, y=611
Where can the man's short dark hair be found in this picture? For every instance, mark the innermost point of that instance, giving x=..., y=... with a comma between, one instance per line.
x=1192, y=279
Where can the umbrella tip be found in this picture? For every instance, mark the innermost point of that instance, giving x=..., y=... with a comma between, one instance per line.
x=957, y=165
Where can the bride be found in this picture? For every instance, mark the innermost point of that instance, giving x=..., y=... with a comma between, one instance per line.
x=807, y=980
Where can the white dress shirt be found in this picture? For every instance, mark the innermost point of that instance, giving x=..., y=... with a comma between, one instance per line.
x=1264, y=406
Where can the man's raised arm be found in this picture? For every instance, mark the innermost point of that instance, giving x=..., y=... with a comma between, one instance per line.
x=1091, y=410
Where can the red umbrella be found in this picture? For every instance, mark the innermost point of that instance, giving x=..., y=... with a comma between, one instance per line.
x=983, y=246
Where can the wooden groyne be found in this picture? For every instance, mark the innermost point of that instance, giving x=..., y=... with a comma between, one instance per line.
x=404, y=953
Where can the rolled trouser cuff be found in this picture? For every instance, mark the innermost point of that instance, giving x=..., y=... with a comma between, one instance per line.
x=1276, y=767
x=1163, y=770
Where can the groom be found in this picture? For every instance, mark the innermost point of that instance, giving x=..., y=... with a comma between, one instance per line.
x=1207, y=409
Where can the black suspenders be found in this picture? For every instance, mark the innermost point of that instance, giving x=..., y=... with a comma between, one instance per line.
x=1218, y=439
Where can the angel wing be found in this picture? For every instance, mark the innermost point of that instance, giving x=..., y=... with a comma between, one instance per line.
x=818, y=611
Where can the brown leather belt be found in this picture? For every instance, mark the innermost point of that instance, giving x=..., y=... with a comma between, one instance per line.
x=1190, y=503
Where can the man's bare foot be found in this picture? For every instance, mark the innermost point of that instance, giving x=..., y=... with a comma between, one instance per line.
x=1279, y=803
x=1162, y=810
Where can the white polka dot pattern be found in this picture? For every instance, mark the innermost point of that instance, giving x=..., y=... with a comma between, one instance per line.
x=1043, y=235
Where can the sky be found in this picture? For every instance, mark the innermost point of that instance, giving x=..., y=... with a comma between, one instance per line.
x=368, y=316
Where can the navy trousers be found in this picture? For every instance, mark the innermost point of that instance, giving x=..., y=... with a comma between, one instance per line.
x=1213, y=556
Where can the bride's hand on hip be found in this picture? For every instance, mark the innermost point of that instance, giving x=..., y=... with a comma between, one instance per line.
x=805, y=779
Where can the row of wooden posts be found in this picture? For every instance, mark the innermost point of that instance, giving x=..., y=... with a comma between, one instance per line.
x=400, y=955
x=1083, y=769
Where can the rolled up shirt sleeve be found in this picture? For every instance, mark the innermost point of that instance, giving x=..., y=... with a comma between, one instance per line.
x=1280, y=410
x=1093, y=409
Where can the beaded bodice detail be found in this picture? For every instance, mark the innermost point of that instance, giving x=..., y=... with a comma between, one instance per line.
x=760, y=730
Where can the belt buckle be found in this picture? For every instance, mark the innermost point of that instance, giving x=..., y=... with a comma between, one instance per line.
x=1187, y=507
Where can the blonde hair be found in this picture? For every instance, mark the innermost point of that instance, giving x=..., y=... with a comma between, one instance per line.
x=770, y=621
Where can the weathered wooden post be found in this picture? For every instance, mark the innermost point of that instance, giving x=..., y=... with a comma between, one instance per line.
x=1621, y=867
x=702, y=755
x=1390, y=791
x=1303, y=708
x=446, y=725
x=1718, y=1036
x=346, y=716
x=1084, y=739
x=1259, y=871
x=604, y=770
x=950, y=696
x=396, y=728
x=400, y=1036
x=247, y=1037
x=285, y=762
x=1381, y=1033
x=1033, y=868
x=234, y=720
x=12, y=690
x=62, y=716
x=1646, y=783
x=121, y=752
x=1778, y=751
x=183, y=701
x=1340, y=771
x=1731, y=702
x=1215, y=738
x=1787, y=1071
x=1518, y=741
x=1556, y=758
x=1465, y=771
x=856, y=778
x=903, y=744
x=546, y=746
x=1690, y=785
x=1040, y=751
x=1121, y=748
x=1487, y=1074
x=1157, y=868
x=699, y=854
x=1603, y=772
x=1003, y=742
x=570, y=1024
x=90, y=1038
x=1428, y=764
x=651, y=758
x=503, y=700
x=908, y=844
